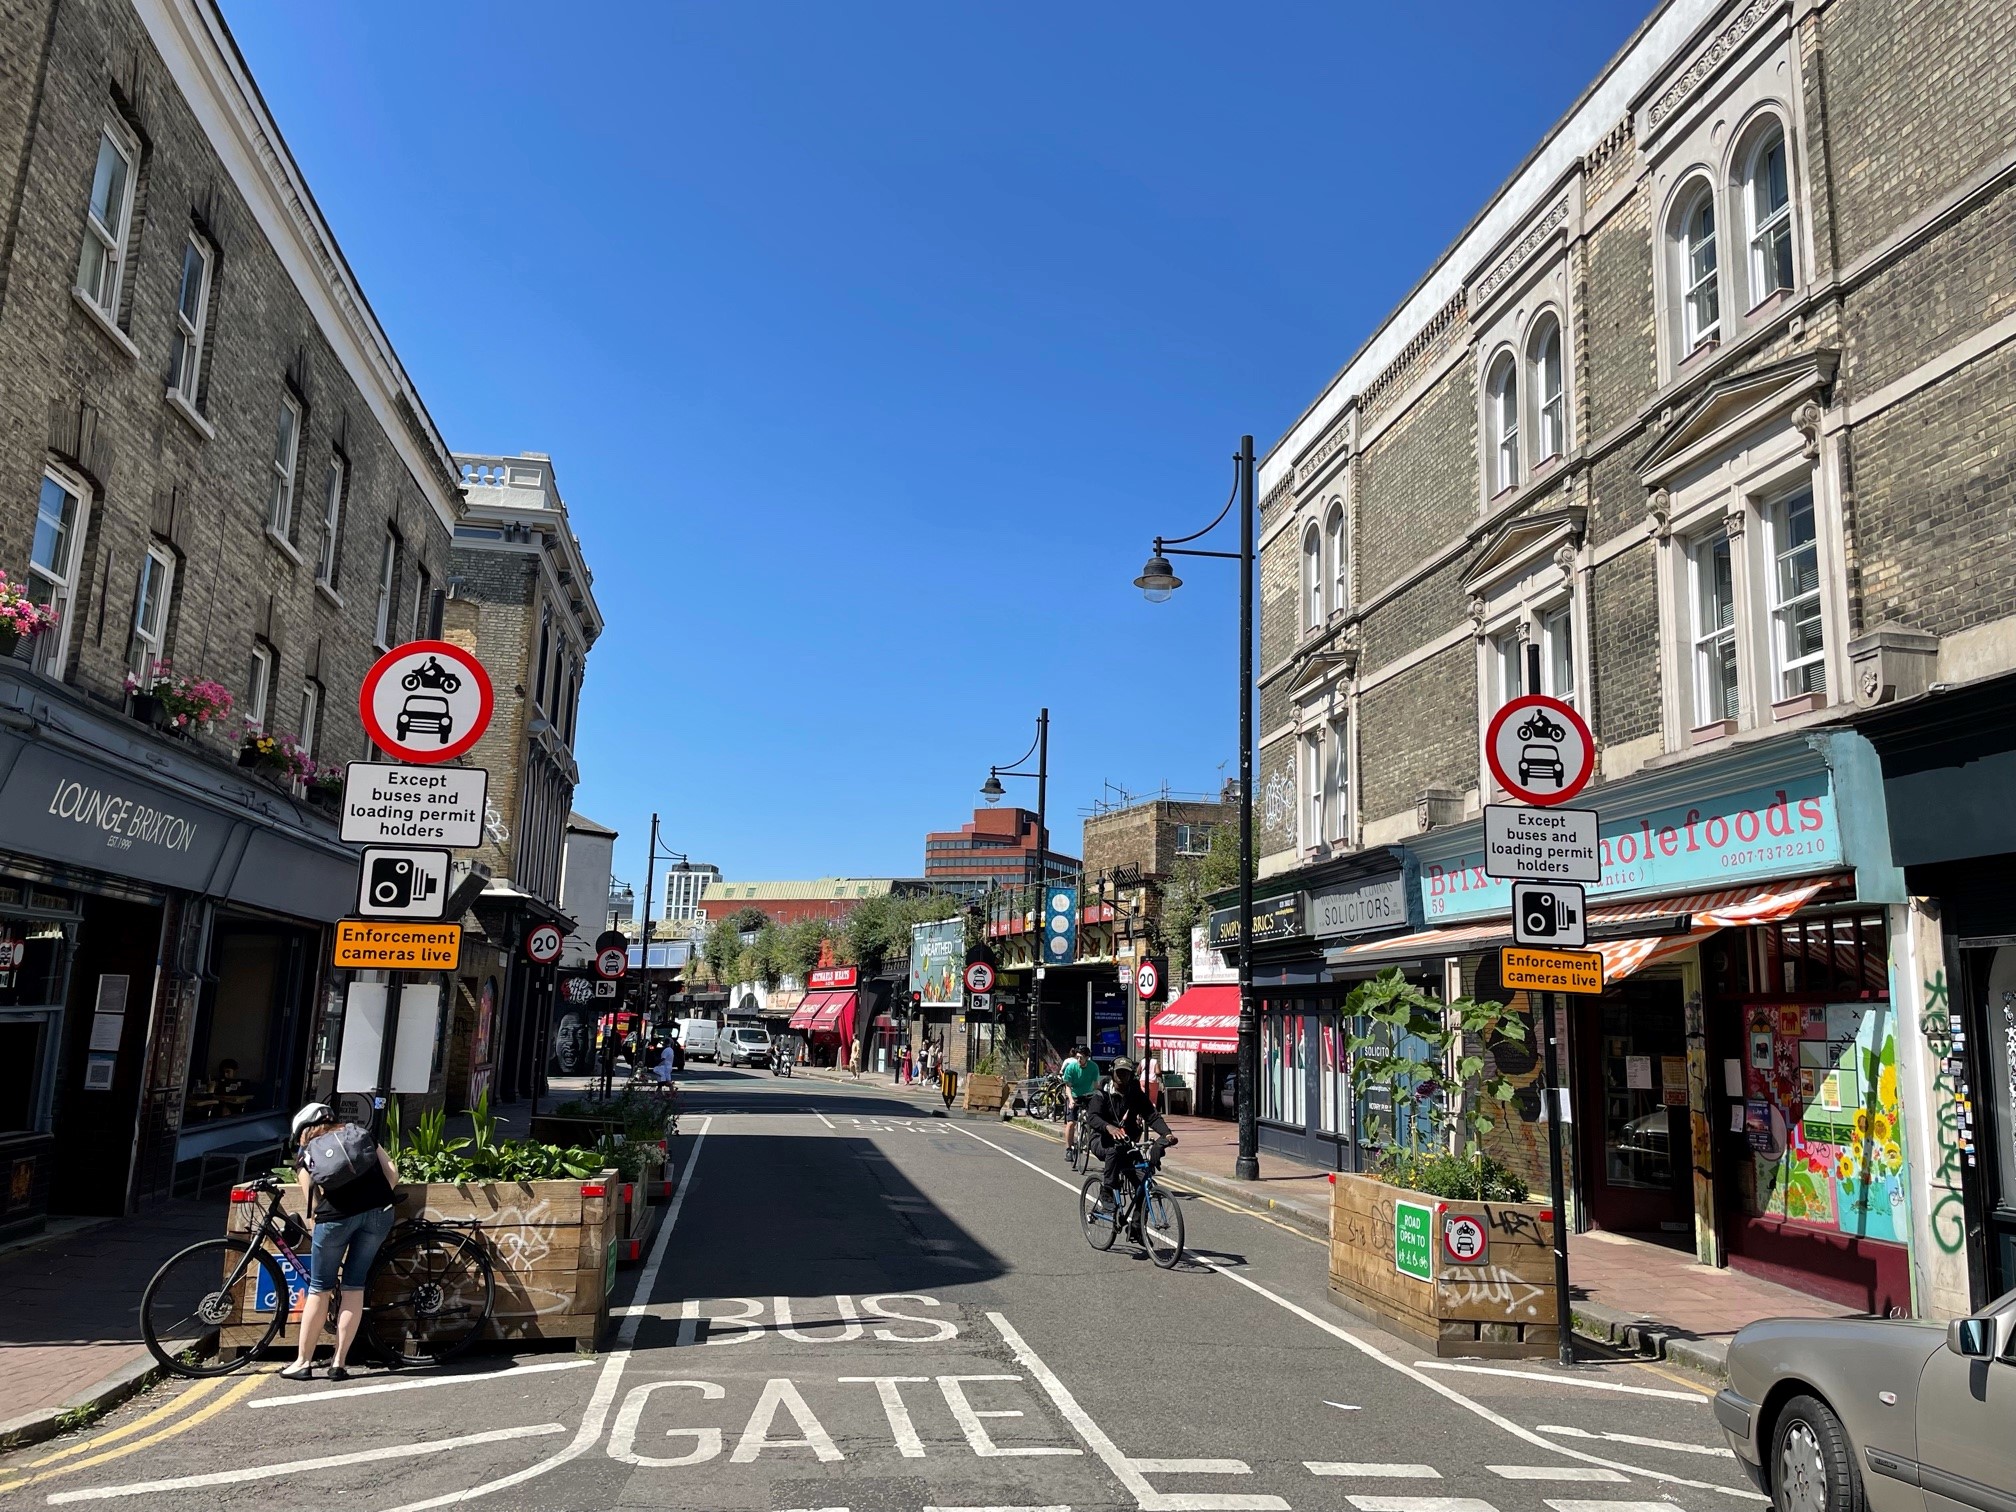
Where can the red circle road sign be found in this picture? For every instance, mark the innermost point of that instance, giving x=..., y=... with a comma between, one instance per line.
x=1464, y=1239
x=610, y=964
x=1540, y=750
x=426, y=701
x=1147, y=980
x=979, y=977
x=542, y=944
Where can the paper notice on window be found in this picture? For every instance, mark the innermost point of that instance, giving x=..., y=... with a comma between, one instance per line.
x=106, y=1029
x=1638, y=1073
x=1673, y=1080
x=1732, y=1078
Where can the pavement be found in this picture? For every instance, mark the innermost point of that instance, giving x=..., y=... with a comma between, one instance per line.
x=854, y=1304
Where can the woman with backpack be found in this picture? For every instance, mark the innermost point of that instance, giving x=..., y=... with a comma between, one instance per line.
x=347, y=1186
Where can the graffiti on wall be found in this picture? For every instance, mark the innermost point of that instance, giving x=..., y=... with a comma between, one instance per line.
x=1952, y=1115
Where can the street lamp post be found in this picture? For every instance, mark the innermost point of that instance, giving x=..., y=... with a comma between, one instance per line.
x=1157, y=581
x=654, y=853
x=993, y=792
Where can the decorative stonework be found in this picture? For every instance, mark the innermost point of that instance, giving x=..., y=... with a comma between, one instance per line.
x=1659, y=507
x=1325, y=449
x=1710, y=58
x=1564, y=556
x=1517, y=258
x=1734, y=520
x=1413, y=355
x=1806, y=420
x=1476, y=608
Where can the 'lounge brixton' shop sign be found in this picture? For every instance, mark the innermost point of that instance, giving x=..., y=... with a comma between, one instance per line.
x=64, y=809
x=1785, y=828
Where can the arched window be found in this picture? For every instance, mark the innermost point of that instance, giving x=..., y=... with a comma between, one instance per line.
x=1550, y=412
x=1333, y=546
x=1767, y=190
x=1312, y=578
x=1502, y=399
x=1699, y=272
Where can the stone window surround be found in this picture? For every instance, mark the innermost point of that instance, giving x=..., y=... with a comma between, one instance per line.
x=1319, y=710
x=1732, y=494
x=1518, y=594
x=1543, y=295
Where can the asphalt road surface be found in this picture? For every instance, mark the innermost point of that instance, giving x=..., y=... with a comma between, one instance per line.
x=854, y=1304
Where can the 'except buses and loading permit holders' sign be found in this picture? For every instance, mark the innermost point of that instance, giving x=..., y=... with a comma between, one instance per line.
x=409, y=805
x=383, y=945
x=1551, y=970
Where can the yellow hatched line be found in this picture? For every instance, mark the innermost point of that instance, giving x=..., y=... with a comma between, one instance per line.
x=237, y=1393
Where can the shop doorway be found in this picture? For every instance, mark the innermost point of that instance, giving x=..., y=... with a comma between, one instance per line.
x=1632, y=1121
x=105, y=1046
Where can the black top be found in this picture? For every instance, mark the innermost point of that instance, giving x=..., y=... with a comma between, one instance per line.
x=1129, y=1108
x=366, y=1194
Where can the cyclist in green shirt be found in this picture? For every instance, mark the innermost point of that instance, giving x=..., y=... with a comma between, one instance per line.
x=1081, y=1080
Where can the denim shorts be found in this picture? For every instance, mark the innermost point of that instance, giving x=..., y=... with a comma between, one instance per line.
x=348, y=1246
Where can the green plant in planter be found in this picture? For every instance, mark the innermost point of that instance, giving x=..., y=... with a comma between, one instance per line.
x=1411, y=1047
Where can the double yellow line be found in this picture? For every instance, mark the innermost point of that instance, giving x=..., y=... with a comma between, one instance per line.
x=205, y=1397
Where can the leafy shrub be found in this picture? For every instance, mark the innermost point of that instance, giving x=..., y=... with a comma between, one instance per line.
x=1470, y=1178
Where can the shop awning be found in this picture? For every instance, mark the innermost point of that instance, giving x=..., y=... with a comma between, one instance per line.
x=836, y=1016
x=883, y=1021
x=808, y=1010
x=1204, y=1018
x=1727, y=908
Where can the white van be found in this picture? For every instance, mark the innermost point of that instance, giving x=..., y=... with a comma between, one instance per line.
x=700, y=1037
x=746, y=1045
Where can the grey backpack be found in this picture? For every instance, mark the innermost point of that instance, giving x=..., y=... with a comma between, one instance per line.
x=340, y=1156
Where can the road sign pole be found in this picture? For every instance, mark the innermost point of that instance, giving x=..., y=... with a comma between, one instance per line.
x=1557, y=1186
x=388, y=1046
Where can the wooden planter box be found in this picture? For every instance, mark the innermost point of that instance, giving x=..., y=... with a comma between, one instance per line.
x=985, y=1094
x=552, y=1245
x=656, y=1177
x=1499, y=1305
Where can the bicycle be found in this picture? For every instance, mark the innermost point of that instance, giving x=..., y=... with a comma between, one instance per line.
x=1147, y=1214
x=433, y=1282
x=1078, y=1141
x=1051, y=1100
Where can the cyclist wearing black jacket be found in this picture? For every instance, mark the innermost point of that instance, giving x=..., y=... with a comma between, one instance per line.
x=1119, y=1111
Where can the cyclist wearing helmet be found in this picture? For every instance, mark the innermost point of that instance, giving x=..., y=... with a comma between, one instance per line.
x=347, y=1183
x=1121, y=1111
x=1081, y=1080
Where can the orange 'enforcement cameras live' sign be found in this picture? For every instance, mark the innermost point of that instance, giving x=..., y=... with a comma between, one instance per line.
x=389, y=945
x=1551, y=970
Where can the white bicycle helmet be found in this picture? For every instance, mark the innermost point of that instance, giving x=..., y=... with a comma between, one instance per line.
x=314, y=1113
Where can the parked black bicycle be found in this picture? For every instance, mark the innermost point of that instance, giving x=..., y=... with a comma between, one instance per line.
x=430, y=1292
x=1140, y=1209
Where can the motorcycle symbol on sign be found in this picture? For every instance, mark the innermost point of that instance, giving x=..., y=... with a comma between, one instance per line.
x=431, y=674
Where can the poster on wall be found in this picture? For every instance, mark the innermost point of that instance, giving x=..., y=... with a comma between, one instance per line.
x=937, y=952
x=479, y=1046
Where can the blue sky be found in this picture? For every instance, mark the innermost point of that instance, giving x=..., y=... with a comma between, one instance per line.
x=872, y=343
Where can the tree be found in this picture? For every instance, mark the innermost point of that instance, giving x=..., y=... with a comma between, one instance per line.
x=877, y=932
x=1186, y=895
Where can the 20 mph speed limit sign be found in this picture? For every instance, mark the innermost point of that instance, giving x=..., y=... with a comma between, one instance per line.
x=542, y=945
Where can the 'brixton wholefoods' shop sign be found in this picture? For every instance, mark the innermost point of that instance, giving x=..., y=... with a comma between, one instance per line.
x=1784, y=829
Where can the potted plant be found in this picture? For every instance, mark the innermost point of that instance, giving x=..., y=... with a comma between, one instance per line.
x=21, y=618
x=175, y=702
x=325, y=785
x=279, y=756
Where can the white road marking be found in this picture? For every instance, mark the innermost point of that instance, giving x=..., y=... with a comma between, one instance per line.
x=901, y=1427
x=1423, y=1504
x=597, y=1414
x=1561, y=1380
x=1554, y=1472
x=1095, y=1437
x=993, y=1509
x=1192, y=1466
x=1565, y=1431
x=968, y=1417
x=823, y=1119
x=308, y=1398
x=1341, y=1406
x=1571, y=1505
x=297, y=1467
x=1373, y=1352
x=1372, y=1472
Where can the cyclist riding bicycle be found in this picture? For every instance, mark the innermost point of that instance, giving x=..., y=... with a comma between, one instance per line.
x=1116, y=1115
x=1081, y=1080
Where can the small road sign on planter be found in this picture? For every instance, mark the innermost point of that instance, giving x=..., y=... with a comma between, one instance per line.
x=1551, y=970
x=1540, y=750
x=399, y=805
x=425, y=701
x=611, y=963
x=371, y=945
x=401, y=883
x=1549, y=913
x=1464, y=1240
x=542, y=944
x=1414, y=1239
x=979, y=977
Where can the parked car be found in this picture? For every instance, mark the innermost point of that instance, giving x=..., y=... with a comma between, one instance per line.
x=1842, y=1414
x=745, y=1046
x=700, y=1037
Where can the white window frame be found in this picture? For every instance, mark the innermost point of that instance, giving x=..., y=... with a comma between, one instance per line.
x=388, y=570
x=1505, y=650
x=335, y=482
x=109, y=241
x=1193, y=839
x=1337, y=772
x=311, y=714
x=1550, y=406
x=1501, y=385
x=259, y=685
x=154, y=589
x=187, y=355
x=1312, y=579
x=286, y=461
x=1555, y=626
x=423, y=589
x=1704, y=640
x=1697, y=288
x=1313, y=790
x=1769, y=229
x=1337, y=549
x=59, y=581
x=1781, y=612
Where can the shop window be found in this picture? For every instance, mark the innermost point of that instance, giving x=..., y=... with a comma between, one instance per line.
x=239, y=1057
x=34, y=969
x=1332, y=1076
x=1283, y=1074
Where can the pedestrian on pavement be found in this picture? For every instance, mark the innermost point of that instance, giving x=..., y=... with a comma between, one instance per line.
x=854, y=1060
x=347, y=1184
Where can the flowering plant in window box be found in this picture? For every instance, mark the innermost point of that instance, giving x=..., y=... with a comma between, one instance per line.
x=21, y=618
x=325, y=784
x=280, y=754
x=176, y=702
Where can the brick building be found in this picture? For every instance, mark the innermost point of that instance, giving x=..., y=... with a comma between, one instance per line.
x=997, y=848
x=1713, y=407
x=522, y=598
x=209, y=456
x=831, y=898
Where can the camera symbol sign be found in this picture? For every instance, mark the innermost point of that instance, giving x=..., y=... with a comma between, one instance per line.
x=542, y=945
x=399, y=882
x=1549, y=913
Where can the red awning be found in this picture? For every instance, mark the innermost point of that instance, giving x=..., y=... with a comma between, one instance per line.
x=835, y=1018
x=1204, y=1018
x=809, y=1010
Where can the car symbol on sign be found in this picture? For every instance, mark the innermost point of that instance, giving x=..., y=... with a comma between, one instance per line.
x=425, y=711
x=1542, y=761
